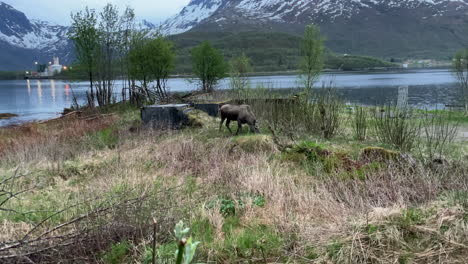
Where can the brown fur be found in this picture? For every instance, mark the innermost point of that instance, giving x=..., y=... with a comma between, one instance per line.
x=240, y=113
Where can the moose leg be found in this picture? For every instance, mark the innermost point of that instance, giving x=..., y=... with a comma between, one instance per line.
x=239, y=127
x=227, y=125
x=221, y=124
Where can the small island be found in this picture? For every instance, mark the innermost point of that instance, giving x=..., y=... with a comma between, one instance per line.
x=7, y=115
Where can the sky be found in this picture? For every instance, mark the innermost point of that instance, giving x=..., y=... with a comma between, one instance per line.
x=58, y=11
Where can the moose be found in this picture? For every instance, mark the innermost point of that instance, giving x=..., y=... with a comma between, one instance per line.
x=240, y=113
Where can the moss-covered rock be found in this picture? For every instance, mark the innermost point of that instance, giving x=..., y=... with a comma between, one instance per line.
x=308, y=149
x=378, y=154
x=198, y=118
x=255, y=143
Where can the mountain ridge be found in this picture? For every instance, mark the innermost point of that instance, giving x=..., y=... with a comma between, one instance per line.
x=384, y=28
x=381, y=28
x=25, y=41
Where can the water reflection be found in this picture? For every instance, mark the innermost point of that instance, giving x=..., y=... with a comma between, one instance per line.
x=39, y=91
x=424, y=89
x=67, y=93
x=29, y=87
x=52, y=89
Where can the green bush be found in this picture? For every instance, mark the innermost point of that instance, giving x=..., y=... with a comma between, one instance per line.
x=117, y=254
x=396, y=126
x=360, y=123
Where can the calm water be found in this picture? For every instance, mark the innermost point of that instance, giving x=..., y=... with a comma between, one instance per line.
x=44, y=99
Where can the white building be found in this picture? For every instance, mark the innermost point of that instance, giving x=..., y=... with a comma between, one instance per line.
x=54, y=68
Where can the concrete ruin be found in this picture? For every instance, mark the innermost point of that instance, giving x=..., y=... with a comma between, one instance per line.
x=164, y=116
x=176, y=116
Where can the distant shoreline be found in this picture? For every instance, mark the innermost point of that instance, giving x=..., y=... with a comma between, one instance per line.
x=275, y=73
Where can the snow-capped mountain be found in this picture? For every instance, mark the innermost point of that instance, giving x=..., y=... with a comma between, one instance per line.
x=23, y=40
x=300, y=11
x=371, y=27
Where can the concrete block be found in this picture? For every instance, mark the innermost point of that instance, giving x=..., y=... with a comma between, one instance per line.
x=164, y=116
x=210, y=109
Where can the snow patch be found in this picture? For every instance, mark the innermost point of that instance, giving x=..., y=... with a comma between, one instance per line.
x=282, y=10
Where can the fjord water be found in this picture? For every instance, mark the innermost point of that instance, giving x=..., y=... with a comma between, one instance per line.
x=45, y=99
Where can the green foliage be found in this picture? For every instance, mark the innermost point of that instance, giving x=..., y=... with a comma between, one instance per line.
x=203, y=230
x=360, y=123
x=438, y=134
x=377, y=154
x=405, y=259
x=456, y=197
x=254, y=143
x=186, y=248
x=101, y=42
x=328, y=113
x=163, y=252
x=239, y=69
x=228, y=207
x=460, y=68
x=334, y=249
x=117, y=254
x=310, y=253
x=259, y=200
x=396, y=126
x=371, y=229
x=268, y=51
x=353, y=62
x=231, y=207
x=253, y=240
x=85, y=37
x=152, y=60
x=84, y=34
x=312, y=56
x=208, y=65
x=411, y=216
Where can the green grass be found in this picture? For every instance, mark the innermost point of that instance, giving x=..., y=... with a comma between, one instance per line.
x=107, y=138
x=117, y=254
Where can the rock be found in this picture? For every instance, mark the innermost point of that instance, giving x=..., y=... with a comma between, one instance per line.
x=305, y=151
x=197, y=118
x=7, y=115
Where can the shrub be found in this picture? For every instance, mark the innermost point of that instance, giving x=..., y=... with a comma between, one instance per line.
x=329, y=107
x=396, y=126
x=360, y=123
x=438, y=133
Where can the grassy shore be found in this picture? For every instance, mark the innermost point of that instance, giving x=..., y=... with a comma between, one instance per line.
x=87, y=188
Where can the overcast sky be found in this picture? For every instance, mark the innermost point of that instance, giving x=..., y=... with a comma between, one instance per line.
x=58, y=11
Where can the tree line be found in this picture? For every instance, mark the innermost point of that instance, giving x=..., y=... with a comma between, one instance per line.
x=110, y=45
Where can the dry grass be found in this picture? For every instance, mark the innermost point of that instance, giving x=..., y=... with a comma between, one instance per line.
x=329, y=212
x=29, y=141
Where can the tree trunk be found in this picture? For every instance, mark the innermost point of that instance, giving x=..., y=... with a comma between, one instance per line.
x=91, y=97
